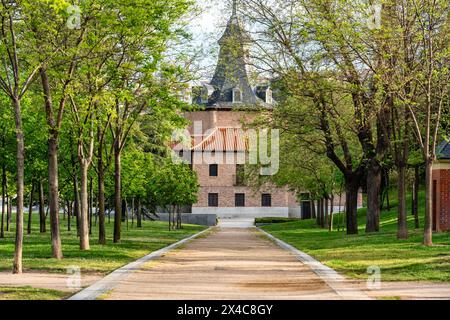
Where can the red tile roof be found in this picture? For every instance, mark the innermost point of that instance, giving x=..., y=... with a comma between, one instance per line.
x=224, y=139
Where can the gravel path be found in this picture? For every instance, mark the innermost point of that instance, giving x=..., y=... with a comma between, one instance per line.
x=45, y=280
x=228, y=263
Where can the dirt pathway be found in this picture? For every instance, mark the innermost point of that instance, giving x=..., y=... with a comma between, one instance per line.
x=45, y=280
x=229, y=263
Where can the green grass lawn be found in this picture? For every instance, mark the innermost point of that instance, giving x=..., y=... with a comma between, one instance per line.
x=351, y=255
x=29, y=293
x=135, y=243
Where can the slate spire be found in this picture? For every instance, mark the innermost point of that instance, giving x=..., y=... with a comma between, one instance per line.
x=232, y=70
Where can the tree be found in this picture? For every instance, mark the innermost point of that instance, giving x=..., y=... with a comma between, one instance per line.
x=327, y=56
x=137, y=166
x=35, y=161
x=144, y=81
x=15, y=81
x=6, y=161
x=173, y=186
x=432, y=77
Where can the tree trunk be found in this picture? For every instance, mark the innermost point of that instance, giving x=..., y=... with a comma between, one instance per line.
x=84, y=223
x=340, y=211
x=313, y=209
x=178, y=217
x=20, y=157
x=330, y=225
x=91, y=204
x=325, y=220
x=388, y=204
x=139, y=214
x=170, y=218
x=373, y=196
x=109, y=211
x=77, y=211
x=101, y=200
x=96, y=214
x=428, y=230
x=118, y=191
x=416, y=197
x=319, y=212
x=402, y=231
x=69, y=214
x=53, y=198
x=174, y=210
x=30, y=209
x=2, y=230
x=124, y=210
x=8, y=211
x=322, y=212
x=351, y=206
x=42, y=220
x=132, y=212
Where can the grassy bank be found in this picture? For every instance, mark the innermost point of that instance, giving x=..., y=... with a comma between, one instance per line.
x=29, y=293
x=351, y=255
x=135, y=243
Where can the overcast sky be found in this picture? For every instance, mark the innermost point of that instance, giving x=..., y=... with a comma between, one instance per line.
x=207, y=29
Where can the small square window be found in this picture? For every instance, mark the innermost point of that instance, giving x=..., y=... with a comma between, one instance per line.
x=213, y=170
x=266, y=200
x=239, y=199
x=213, y=199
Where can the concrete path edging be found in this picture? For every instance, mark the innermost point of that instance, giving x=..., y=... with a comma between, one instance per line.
x=333, y=279
x=110, y=281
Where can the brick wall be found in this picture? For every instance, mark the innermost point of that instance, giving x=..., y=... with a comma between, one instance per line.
x=252, y=197
x=441, y=175
x=224, y=185
x=214, y=118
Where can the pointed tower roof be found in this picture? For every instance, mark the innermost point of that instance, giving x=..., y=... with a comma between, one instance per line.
x=235, y=28
x=232, y=71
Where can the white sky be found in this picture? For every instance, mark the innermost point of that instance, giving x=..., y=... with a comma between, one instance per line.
x=207, y=29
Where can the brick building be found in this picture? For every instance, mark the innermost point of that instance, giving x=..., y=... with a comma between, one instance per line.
x=220, y=147
x=230, y=100
x=441, y=189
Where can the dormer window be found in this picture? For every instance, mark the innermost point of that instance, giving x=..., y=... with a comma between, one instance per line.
x=206, y=92
x=204, y=95
x=264, y=93
x=237, y=95
x=269, y=99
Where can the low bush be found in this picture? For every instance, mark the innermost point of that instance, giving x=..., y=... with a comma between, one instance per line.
x=271, y=220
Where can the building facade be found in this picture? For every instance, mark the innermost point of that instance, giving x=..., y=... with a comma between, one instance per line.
x=441, y=189
x=219, y=147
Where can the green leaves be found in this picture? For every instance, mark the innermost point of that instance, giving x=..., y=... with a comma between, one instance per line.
x=173, y=184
